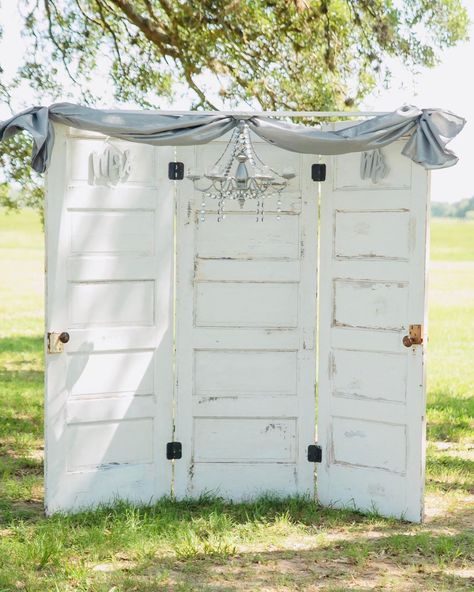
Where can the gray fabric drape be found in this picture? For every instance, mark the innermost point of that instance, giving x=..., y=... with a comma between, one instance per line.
x=429, y=131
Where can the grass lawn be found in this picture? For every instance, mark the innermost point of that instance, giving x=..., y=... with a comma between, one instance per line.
x=208, y=545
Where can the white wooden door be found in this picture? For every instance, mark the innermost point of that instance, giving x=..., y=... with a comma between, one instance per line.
x=371, y=409
x=245, y=337
x=109, y=285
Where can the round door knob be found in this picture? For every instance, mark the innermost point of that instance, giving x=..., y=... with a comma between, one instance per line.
x=64, y=337
x=407, y=341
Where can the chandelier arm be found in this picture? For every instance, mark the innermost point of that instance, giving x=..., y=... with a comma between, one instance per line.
x=202, y=189
x=254, y=157
x=260, y=161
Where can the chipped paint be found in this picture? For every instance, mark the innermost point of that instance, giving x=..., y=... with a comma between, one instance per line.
x=110, y=465
x=355, y=434
x=332, y=368
x=276, y=426
x=212, y=399
x=191, y=472
x=377, y=489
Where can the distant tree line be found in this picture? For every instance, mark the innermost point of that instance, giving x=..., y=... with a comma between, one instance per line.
x=459, y=209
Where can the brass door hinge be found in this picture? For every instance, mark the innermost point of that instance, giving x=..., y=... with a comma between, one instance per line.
x=414, y=337
x=56, y=342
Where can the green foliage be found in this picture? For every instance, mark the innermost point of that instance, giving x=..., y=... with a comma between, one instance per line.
x=255, y=49
x=276, y=54
x=459, y=209
x=15, y=156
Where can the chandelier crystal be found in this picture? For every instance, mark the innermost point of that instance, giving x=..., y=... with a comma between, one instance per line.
x=239, y=174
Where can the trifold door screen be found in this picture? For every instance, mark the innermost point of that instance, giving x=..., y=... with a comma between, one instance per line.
x=241, y=342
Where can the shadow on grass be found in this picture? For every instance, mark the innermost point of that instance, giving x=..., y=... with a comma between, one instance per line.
x=390, y=543
x=361, y=565
x=208, y=545
x=22, y=344
x=265, y=510
x=450, y=473
x=449, y=418
x=21, y=428
x=302, y=511
x=21, y=403
x=20, y=374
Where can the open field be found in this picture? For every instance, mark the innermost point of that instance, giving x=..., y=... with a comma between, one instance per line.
x=208, y=546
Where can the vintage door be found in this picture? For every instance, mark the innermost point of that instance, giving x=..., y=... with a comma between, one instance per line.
x=371, y=409
x=109, y=223
x=245, y=337
x=235, y=337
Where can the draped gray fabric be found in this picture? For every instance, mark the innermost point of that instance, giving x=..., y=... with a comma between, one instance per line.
x=429, y=131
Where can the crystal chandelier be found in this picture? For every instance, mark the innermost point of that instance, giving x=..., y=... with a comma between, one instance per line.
x=239, y=174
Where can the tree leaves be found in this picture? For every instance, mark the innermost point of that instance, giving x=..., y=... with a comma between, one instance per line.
x=302, y=54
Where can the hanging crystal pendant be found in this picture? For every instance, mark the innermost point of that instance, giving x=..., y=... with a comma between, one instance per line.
x=239, y=174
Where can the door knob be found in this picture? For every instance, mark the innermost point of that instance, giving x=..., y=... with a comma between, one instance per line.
x=64, y=337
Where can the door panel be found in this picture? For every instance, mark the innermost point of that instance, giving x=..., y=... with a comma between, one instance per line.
x=371, y=409
x=245, y=333
x=109, y=285
x=245, y=338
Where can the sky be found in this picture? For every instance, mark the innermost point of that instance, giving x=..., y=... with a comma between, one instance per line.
x=450, y=85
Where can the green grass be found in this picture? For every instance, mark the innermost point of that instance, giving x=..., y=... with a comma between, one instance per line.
x=452, y=240
x=208, y=545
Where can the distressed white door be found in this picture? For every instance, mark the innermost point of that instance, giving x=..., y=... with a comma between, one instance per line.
x=371, y=409
x=245, y=337
x=109, y=285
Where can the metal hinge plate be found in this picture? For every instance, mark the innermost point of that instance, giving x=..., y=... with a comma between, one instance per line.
x=55, y=345
x=174, y=450
x=176, y=171
x=414, y=337
x=318, y=172
x=416, y=334
x=315, y=453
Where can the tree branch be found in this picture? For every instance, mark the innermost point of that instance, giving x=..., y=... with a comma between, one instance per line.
x=56, y=44
x=156, y=35
x=204, y=100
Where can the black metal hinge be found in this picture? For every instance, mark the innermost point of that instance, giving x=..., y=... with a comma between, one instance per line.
x=318, y=172
x=315, y=453
x=174, y=450
x=176, y=171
